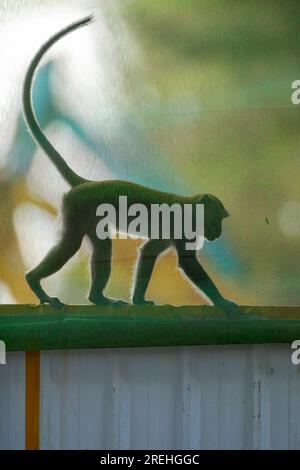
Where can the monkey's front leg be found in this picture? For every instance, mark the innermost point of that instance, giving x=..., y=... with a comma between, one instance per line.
x=188, y=262
x=149, y=252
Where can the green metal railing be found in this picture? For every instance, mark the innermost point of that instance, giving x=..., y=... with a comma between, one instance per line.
x=28, y=327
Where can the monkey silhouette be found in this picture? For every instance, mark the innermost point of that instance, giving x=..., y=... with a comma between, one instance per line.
x=79, y=219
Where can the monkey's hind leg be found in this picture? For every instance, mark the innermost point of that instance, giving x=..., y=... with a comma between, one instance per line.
x=53, y=261
x=149, y=252
x=100, y=271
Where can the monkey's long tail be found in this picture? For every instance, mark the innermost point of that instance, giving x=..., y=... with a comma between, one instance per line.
x=68, y=174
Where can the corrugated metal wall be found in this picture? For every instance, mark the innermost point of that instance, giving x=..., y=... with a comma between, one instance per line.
x=12, y=402
x=206, y=397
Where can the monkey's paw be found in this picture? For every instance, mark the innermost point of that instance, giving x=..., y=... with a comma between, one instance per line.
x=53, y=301
x=101, y=300
x=142, y=302
x=230, y=308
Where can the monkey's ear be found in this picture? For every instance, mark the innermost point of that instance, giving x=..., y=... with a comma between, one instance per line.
x=204, y=198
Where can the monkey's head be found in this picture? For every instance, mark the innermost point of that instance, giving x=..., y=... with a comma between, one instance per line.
x=214, y=213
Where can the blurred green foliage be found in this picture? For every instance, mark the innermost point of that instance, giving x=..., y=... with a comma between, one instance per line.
x=223, y=72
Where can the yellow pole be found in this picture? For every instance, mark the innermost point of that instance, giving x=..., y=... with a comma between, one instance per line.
x=32, y=400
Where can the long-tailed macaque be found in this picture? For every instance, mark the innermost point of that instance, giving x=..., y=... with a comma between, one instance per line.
x=79, y=219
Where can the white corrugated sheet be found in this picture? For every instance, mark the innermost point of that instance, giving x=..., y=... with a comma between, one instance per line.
x=12, y=402
x=206, y=397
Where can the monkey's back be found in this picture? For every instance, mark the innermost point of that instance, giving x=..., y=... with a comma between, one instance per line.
x=91, y=194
